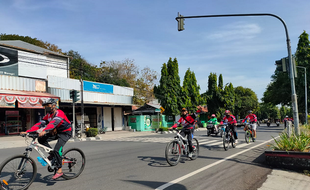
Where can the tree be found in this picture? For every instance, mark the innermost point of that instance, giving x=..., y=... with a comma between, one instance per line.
x=302, y=56
x=126, y=72
x=245, y=100
x=174, y=90
x=229, y=97
x=191, y=96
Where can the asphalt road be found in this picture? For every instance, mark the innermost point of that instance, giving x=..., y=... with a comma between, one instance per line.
x=138, y=163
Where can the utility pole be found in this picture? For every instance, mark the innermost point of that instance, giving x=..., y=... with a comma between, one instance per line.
x=288, y=43
x=82, y=107
x=82, y=98
x=306, y=107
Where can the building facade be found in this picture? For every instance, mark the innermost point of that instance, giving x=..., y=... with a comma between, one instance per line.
x=29, y=74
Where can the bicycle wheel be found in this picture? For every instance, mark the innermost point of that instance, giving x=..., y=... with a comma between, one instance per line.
x=232, y=140
x=17, y=172
x=73, y=163
x=247, y=136
x=195, y=149
x=173, y=153
x=226, y=142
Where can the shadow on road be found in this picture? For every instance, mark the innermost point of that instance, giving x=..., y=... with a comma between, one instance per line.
x=47, y=179
x=155, y=184
x=159, y=161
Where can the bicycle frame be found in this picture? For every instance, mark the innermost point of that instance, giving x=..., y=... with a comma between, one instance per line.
x=36, y=146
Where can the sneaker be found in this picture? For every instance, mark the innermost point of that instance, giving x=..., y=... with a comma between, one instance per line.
x=57, y=175
x=190, y=155
x=236, y=141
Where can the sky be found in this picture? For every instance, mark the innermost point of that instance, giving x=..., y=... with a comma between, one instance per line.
x=242, y=49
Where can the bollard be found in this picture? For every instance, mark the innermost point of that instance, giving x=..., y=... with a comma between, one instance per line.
x=289, y=128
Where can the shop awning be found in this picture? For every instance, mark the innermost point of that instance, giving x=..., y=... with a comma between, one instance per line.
x=24, y=99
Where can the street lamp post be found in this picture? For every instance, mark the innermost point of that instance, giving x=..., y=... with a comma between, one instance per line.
x=306, y=107
x=288, y=43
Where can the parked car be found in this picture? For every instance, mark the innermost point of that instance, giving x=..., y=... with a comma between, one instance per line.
x=240, y=123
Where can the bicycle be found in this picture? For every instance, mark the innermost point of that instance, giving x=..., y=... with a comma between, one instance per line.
x=19, y=171
x=249, y=134
x=179, y=145
x=230, y=138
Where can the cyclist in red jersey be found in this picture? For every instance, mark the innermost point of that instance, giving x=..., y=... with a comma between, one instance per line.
x=55, y=125
x=188, y=123
x=232, y=123
x=252, y=119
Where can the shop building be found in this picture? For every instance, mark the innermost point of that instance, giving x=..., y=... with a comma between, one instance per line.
x=23, y=83
x=29, y=74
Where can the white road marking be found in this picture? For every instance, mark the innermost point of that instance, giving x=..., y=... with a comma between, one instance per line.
x=162, y=187
x=207, y=142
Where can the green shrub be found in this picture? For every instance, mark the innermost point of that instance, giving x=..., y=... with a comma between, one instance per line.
x=92, y=132
x=292, y=143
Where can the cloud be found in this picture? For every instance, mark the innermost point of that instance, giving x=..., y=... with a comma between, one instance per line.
x=236, y=31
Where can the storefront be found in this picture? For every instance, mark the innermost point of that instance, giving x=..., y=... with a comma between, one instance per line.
x=20, y=110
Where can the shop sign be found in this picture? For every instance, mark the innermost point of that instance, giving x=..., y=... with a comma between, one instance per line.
x=97, y=87
x=133, y=120
x=8, y=62
x=40, y=86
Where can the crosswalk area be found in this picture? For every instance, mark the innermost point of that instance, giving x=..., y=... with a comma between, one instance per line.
x=204, y=142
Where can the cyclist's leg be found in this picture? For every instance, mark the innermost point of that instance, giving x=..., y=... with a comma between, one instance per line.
x=227, y=130
x=234, y=128
x=254, y=125
x=46, y=138
x=62, y=140
x=189, y=138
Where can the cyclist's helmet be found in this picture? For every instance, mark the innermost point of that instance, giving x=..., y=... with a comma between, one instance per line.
x=213, y=115
x=250, y=111
x=184, y=109
x=227, y=112
x=286, y=116
x=49, y=101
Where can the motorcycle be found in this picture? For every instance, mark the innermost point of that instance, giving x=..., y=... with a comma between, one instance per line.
x=211, y=129
x=278, y=123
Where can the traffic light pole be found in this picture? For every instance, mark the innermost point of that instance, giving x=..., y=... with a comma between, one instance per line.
x=82, y=107
x=74, y=124
x=291, y=72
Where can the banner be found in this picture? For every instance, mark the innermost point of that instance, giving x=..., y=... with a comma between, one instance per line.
x=3, y=104
x=97, y=87
x=8, y=62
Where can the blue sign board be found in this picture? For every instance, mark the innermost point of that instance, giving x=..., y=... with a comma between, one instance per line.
x=97, y=87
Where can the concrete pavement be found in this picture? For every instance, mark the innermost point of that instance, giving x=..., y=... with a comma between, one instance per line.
x=278, y=179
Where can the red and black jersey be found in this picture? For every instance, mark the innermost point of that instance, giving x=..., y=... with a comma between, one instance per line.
x=229, y=119
x=51, y=121
x=187, y=121
x=252, y=118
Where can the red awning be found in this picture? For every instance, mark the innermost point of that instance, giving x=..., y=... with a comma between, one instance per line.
x=25, y=99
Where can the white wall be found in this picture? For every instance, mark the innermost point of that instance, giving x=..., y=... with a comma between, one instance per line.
x=118, y=119
x=107, y=118
x=39, y=66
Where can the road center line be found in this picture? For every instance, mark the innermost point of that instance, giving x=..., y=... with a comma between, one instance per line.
x=164, y=186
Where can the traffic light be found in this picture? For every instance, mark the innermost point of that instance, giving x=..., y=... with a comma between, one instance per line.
x=282, y=65
x=74, y=95
x=77, y=96
x=71, y=94
x=180, y=22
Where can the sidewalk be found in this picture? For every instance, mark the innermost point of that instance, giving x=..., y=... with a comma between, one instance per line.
x=286, y=180
x=18, y=141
